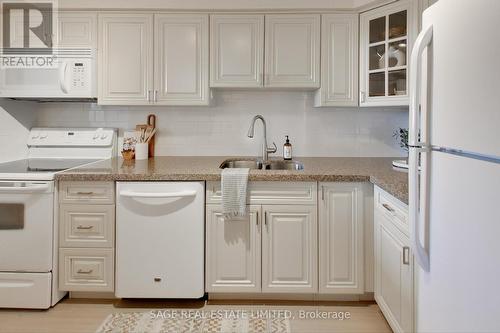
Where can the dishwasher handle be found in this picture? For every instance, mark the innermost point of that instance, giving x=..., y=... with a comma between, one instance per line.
x=183, y=194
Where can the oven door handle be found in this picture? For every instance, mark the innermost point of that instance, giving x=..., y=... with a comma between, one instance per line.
x=25, y=189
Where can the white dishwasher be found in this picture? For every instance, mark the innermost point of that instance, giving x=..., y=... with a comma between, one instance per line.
x=160, y=239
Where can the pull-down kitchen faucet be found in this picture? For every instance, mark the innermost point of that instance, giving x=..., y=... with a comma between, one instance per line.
x=265, y=149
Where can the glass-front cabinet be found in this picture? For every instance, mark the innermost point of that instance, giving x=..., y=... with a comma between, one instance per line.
x=387, y=35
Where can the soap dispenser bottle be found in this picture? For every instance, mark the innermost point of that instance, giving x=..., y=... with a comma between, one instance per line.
x=287, y=149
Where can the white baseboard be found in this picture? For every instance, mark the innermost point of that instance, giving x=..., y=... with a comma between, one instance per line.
x=290, y=297
x=93, y=295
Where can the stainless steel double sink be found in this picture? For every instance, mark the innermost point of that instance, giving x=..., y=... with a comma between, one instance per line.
x=256, y=164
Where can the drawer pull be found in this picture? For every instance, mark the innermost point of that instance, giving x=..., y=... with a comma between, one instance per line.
x=389, y=208
x=406, y=255
x=157, y=279
x=81, y=271
x=81, y=227
x=85, y=193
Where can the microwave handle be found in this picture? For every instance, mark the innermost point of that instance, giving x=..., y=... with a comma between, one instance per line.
x=62, y=77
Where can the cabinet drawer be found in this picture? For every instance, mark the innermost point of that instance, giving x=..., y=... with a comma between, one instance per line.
x=393, y=209
x=87, y=192
x=86, y=225
x=263, y=193
x=86, y=269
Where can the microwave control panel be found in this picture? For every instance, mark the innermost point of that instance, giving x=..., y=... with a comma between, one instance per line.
x=79, y=75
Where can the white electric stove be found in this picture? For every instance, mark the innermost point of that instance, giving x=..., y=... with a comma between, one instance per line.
x=28, y=211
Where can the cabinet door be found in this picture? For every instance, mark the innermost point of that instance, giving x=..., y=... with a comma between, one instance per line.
x=387, y=36
x=289, y=249
x=292, y=53
x=233, y=252
x=237, y=50
x=339, y=61
x=181, y=59
x=125, y=70
x=341, y=254
x=393, y=275
x=77, y=29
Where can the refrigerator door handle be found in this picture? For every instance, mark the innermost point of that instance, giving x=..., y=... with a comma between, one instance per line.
x=423, y=40
x=418, y=184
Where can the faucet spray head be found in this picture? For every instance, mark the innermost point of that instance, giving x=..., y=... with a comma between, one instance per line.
x=252, y=125
x=251, y=131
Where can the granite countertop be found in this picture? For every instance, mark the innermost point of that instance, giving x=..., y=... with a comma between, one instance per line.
x=377, y=170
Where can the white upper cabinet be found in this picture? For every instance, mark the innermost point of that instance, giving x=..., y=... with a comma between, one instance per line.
x=289, y=249
x=387, y=36
x=181, y=59
x=147, y=59
x=77, y=30
x=236, y=50
x=341, y=238
x=339, y=61
x=292, y=51
x=125, y=65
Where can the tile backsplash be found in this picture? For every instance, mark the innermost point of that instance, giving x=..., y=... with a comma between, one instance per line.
x=221, y=128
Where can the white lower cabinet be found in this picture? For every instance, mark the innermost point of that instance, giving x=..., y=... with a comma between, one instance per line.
x=86, y=236
x=393, y=270
x=341, y=238
x=86, y=269
x=289, y=249
x=273, y=250
x=233, y=251
x=298, y=238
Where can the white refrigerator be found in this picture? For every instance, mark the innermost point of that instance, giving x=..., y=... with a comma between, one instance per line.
x=455, y=136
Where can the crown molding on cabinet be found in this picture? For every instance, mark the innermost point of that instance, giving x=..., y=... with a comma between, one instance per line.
x=224, y=5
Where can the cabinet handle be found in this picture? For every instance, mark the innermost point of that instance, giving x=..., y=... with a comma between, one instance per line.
x=84, y=193
x=389, y=208
x=257, y=218
x=156, y=96
x=363, y=97
x=81, y=227
x=323, y=193
x=149, y=96
x=265, y=219
x=81, y=271
x=406, y=255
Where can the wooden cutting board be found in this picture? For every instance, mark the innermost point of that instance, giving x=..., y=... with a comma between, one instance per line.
x=152, y=123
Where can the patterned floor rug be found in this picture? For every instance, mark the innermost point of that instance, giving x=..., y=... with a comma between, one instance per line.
x=148, y=322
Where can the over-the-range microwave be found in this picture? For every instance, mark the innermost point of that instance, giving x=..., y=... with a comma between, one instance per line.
x=72, y=76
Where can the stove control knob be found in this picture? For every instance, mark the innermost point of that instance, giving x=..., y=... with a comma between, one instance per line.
x=35, y=136
x=104, y=136
x=43, y=136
